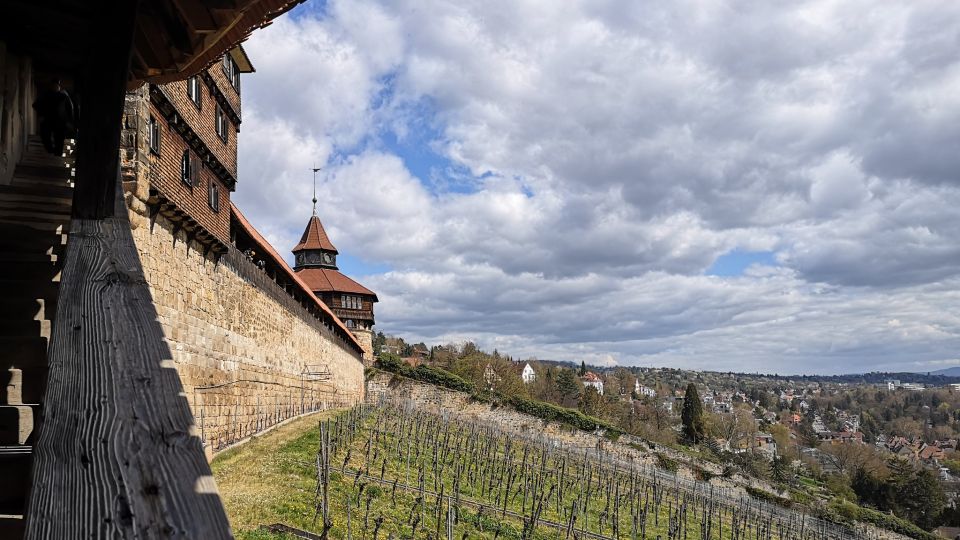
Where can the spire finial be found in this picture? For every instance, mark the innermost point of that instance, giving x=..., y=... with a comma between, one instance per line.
x=315, y=169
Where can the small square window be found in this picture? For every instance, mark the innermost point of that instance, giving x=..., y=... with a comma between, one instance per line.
x=154, y=135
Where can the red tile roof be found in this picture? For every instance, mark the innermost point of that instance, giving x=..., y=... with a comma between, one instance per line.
x=314, y=237
x=328, y=279
x=268, y=250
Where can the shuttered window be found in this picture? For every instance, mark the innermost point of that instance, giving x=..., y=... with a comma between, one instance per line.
x=231, y=71
x=213, y=196
x=194, y=171
x=221, y=123
x=185, y=168
x=189, y=169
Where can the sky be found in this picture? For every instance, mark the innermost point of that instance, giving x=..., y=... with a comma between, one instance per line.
x=758, y=186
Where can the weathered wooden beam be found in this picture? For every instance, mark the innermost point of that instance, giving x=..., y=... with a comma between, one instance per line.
x=118, y=455
x=103, y=91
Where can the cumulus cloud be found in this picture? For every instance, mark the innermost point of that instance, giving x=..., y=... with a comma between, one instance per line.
x=587, y=162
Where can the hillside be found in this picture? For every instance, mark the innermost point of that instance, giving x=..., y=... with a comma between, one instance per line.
x=397, y=471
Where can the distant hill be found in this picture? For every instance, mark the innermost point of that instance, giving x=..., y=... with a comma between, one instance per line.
x=948, y=372
x=560, y=363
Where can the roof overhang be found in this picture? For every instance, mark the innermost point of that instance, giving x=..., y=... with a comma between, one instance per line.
x=241, y=59
x=172, y=40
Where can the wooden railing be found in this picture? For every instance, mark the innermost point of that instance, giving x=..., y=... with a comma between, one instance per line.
x=118, y=455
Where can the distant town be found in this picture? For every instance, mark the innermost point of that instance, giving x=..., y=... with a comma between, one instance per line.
x=824, y=436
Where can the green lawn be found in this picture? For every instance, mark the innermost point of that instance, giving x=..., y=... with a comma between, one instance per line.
x=271, y=479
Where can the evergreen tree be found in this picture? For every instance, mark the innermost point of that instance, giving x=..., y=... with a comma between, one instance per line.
x=919, y=497
x=779, y=469
x=694, y=427
x=379, y=341
x=583, y=368
x=566, y=384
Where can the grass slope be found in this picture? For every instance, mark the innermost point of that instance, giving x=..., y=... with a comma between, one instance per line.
x=271, y=479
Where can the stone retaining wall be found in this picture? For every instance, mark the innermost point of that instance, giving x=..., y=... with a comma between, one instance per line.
x=388, y=386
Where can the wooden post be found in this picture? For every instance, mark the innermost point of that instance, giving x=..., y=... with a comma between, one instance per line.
x=115, y=457
x=103, y=86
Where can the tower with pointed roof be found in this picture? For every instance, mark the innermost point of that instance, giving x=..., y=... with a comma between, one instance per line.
x=315, y=262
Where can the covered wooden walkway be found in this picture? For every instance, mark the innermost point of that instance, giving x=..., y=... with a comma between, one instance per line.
x=117, y=453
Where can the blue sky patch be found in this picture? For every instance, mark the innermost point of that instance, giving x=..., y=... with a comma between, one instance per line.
x=734, y=263
x=353, y=266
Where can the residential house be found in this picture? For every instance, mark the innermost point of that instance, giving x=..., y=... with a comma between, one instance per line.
x=593, y=380
x=764, y=442
x=644, y=391
x=528, y=375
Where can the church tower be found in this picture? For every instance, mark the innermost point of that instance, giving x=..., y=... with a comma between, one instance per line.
x=315, y=262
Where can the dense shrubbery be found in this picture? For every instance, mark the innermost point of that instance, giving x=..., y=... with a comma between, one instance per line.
x=432, y=375
x=551, y=412
x=666, y=463
x=702, y=474
x=844, y=512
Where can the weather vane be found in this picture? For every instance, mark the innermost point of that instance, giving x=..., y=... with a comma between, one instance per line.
x=315, y=169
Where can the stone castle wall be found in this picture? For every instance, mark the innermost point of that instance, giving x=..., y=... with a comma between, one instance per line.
x=248, y=354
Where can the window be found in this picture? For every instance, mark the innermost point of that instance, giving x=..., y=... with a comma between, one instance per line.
x=189, y=169
x=213, y=196
x=231, y=71
x=221, y=123
x=193, y=90
x=185, y=168
x=154, y=136
x=350, y=302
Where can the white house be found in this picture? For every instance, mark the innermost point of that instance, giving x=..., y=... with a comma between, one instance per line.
x=528, y=375
x=642, y=390
x=594, y=380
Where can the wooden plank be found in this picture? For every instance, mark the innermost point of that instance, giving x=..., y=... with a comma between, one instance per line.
x=118, y=455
